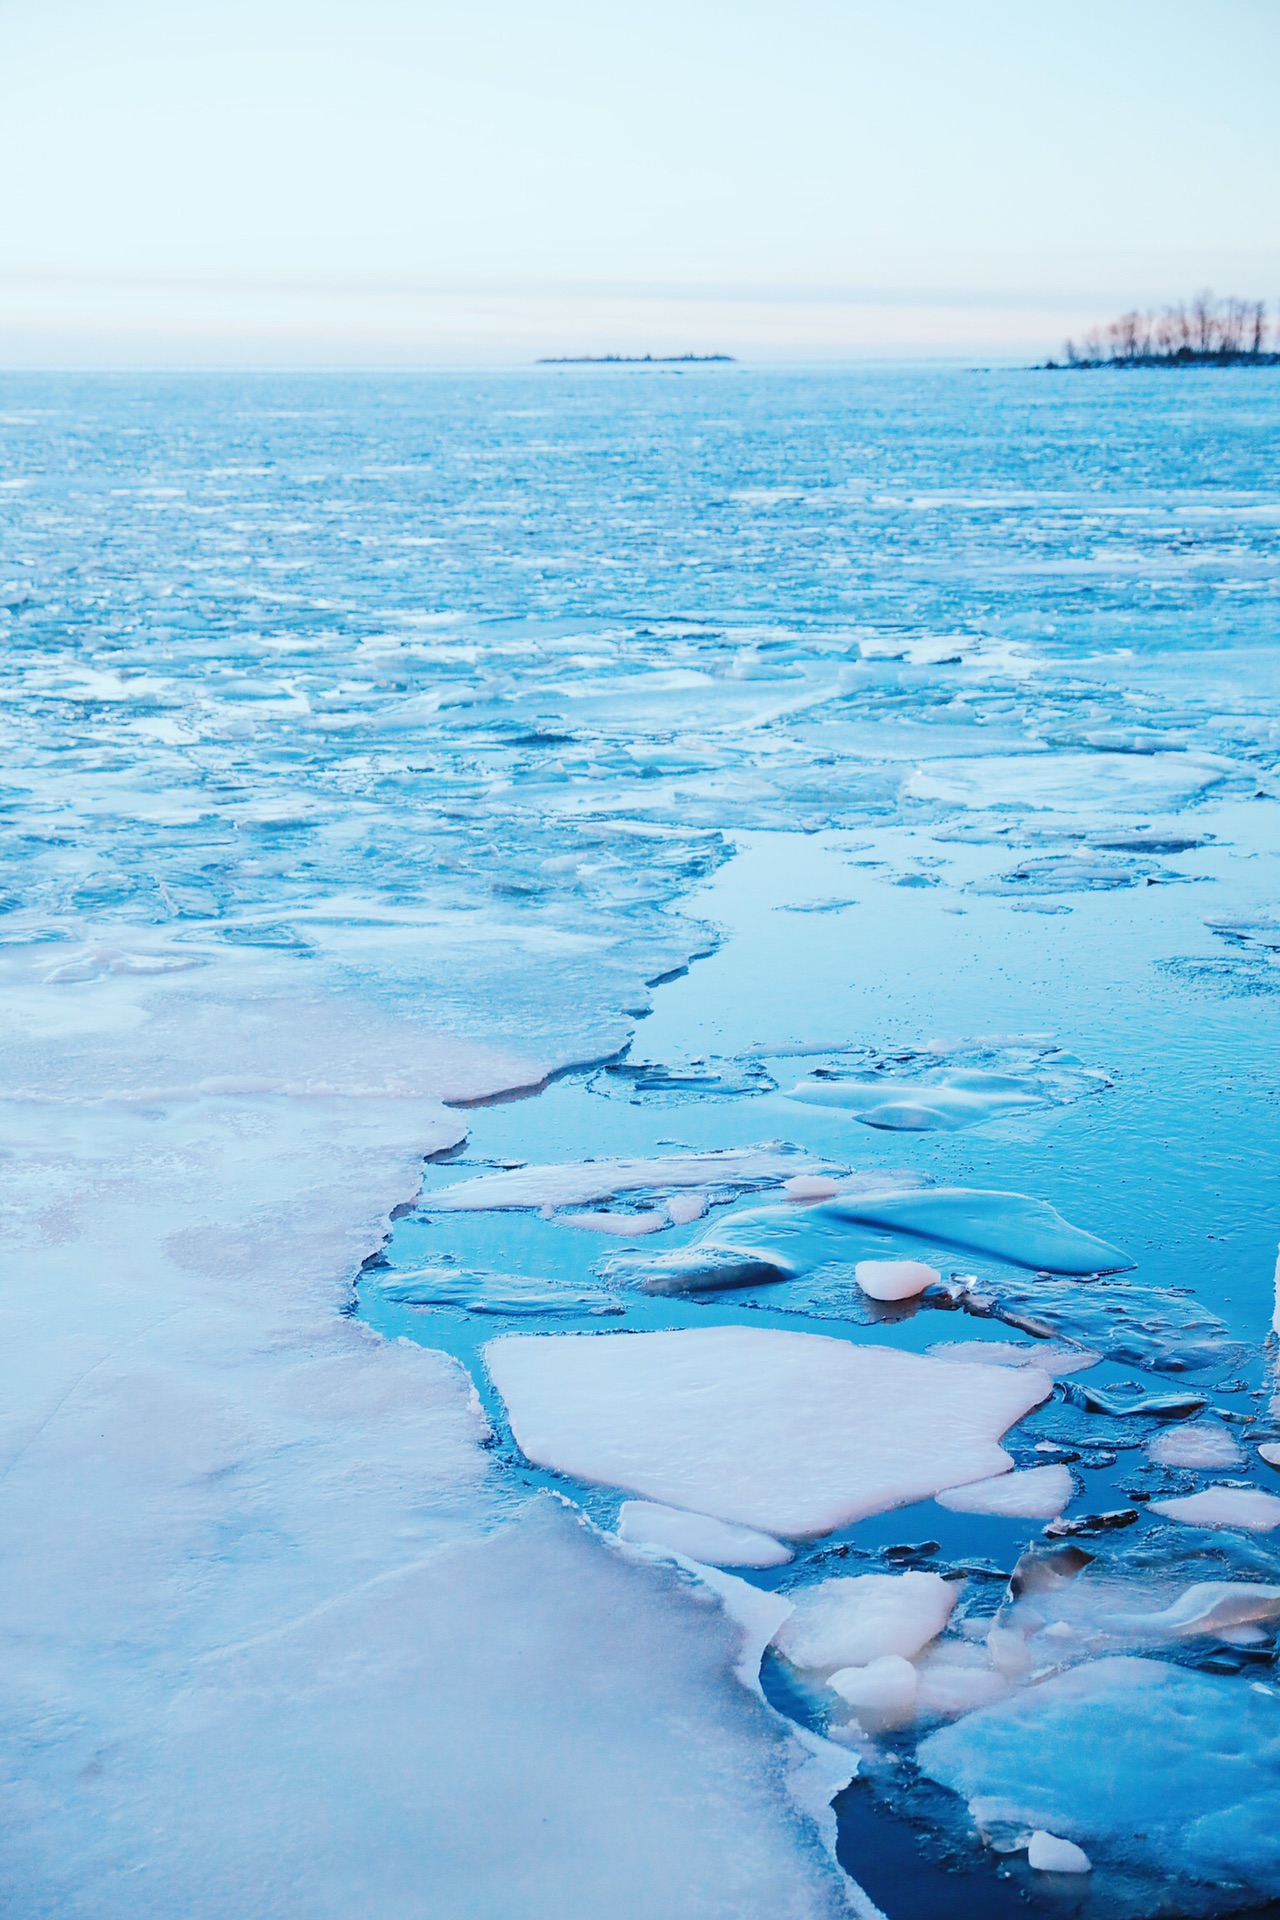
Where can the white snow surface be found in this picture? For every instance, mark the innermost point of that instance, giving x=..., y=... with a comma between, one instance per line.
x=644, y=1523
x=791, y=1433
x=579, y=1182
x=1036, y=1493
x=280, y=1642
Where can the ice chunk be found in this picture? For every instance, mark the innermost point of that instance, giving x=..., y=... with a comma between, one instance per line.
x=1199, y=1445
x=810, y=1186
x=487, y=1293
x=1269, y=1450
x=1149, y=782
x=1162, y=1406
x=1038, y=1493
x=954, y=1676
x=882, y=1693
x=942, y=1103
x=1057, y=1362
x=895, y=1279
x=854, y=1619
x=1008, y=1226
x=630, y=1225
x=1048, y=1854
x=580, y=1182
x=773, y=1243
x=792, y=1433
x=1139, y=1326
x=1166, y=1771
x=684, y=1208
x=1210, y=1606
x=643, y=1523
x=1246, y=1507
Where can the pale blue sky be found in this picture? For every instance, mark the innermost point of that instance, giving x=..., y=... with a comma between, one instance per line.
x=401, y=180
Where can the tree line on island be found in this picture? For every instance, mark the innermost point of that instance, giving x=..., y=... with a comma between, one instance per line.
x=1200, y=333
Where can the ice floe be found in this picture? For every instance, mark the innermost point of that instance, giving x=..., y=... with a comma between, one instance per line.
x=1200, y=1445
x=581, y=1182
x=758, y=1245
x=894, y=1279
x=1155, y=1770
x=643, y=1523
x=790, y=1433
x=852, y=1620
x=1009, y=1226
x=1247, y=1507
x=1140, y=1326
x=1058, y=1362
x=1079, y=781
x=1047, y=1853
x=1036, y=1493
x=943, y=1089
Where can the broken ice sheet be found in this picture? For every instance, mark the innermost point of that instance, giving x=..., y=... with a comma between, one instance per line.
x=790, y=1433
x=475, y=1291
x=1035, y=1493
x=698, y=1536
x=944, y=1089
x=1154, y=1770
x=578, y=1183
x=1079, y=782
x=1138, y=1326
x=778, y=1242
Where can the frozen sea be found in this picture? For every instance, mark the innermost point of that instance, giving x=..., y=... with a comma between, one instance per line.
x=470, y=841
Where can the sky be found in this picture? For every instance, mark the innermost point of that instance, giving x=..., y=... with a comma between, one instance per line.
x=404, y=182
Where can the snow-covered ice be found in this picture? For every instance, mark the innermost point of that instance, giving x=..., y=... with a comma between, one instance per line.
x=790, y=1433
x=644, y=1523
x=580, y=1183
x=1197, y=1445
x=852, y=1620
x=1036, y=1493
x=1247, y=1507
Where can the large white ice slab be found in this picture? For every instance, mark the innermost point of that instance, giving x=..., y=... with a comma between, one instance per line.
x=792, y=1433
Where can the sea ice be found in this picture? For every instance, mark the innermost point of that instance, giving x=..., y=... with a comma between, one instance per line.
x=643, y=1523
x=1149, y=782
x=627, y=1225
x=772, y=1243
x=1057, y=1362
x=1007, y=1226
x=1246, y=1507
x=1048, y=1854
x=1139, y=1326
x=883, y=1692
x=580, y=1182
x=944, y=1102
x=1159, y=1770
x=1269, y=1450
x=852, y=1620
x=1037, y=1493
x=894, y=1279
x=1210, y=1606
x=1198, y=1445
x=791, y=1433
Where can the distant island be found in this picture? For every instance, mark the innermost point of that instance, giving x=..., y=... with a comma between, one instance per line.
x=1206, y=333
x=629, y=359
